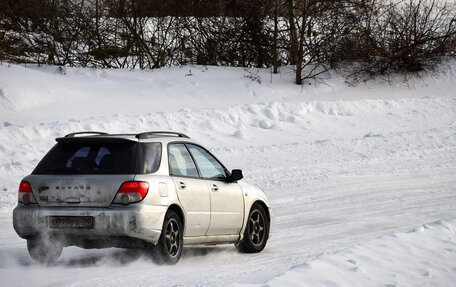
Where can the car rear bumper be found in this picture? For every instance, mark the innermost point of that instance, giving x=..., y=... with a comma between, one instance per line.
x=137, y=221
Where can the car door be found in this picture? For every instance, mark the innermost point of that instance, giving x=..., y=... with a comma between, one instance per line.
x=192, y=191
x=227, y=201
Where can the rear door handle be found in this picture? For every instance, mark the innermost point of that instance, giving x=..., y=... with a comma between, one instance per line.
x=214, y=187
x=182, y=185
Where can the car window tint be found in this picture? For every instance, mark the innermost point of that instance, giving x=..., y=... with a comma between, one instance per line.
x=208, y=166
x=82, y=152
x=150, y=157
x=102, y=153
x=89, y=158
x=180, y=161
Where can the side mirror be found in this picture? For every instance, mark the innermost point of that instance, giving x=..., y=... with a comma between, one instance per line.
x=236, y=174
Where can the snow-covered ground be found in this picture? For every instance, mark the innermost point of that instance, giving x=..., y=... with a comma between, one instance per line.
x=422, y=257
x=341, y=165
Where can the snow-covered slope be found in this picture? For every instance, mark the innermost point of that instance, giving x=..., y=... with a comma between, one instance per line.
x=341, y=165
x=44, y=94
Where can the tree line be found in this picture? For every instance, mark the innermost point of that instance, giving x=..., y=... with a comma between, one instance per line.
x=365, y=37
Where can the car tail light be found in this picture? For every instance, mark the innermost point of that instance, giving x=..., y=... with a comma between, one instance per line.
x=25, y=193
x=131, y=191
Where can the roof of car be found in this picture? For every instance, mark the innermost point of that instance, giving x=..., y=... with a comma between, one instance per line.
x=167, y=136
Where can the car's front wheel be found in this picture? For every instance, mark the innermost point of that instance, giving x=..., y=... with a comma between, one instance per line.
x=44, y=250
x=256, y=233
x=171, y=242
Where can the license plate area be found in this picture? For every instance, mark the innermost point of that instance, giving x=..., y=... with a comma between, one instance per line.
x=62, y=222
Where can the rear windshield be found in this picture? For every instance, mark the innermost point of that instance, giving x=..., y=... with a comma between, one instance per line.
x=98, y=158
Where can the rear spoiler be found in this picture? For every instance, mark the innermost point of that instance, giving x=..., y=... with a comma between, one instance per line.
x=95, y=139
x=72, y=135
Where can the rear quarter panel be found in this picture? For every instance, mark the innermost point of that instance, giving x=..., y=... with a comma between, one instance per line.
x=162, y=192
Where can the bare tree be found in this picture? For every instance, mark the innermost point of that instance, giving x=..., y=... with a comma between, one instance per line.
x=365, y=37
x=300, y=55
x=293, y=31
x=276, y=32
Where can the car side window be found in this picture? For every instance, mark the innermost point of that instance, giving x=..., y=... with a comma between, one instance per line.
x=149, y=157
x=180, y=161
x=208, y=166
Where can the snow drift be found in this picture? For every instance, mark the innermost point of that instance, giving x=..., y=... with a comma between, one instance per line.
x=422, y=257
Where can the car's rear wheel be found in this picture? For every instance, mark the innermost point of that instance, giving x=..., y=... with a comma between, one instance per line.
x=171, y=242
x=256, y=233
x=44, y=250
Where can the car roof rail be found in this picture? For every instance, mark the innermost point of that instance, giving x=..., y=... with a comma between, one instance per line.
x=158, y=133
x=72, y=135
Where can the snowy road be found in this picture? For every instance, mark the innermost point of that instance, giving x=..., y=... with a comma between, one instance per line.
x=338, y=173
x=321, y=216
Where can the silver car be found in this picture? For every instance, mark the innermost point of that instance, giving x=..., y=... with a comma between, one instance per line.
x=157, y=191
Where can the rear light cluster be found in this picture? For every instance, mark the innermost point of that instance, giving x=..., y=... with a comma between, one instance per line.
x=25, y=193
x=131, y=191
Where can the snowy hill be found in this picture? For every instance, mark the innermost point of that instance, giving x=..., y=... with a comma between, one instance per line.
x=341, y=165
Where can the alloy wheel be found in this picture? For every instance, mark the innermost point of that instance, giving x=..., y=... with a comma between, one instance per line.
x=172, y=237
x=256, y=227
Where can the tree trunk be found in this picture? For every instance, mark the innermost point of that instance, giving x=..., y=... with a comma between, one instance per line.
x=302, y=32
x=293, y=32
x=97, y=26
x=274, y=52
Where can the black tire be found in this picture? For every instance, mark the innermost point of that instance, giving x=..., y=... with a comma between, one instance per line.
x=171, y=242
x=44, y=250
x=256, y=233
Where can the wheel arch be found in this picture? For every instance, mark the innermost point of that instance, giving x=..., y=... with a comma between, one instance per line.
x=265, y=207
x=178, y=210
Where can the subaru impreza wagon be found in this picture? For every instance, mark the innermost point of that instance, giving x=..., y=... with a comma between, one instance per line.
x=156, y=191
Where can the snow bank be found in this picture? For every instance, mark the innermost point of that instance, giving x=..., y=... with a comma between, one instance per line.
x=422, y=257
x=48, y=93
x=275, y=123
